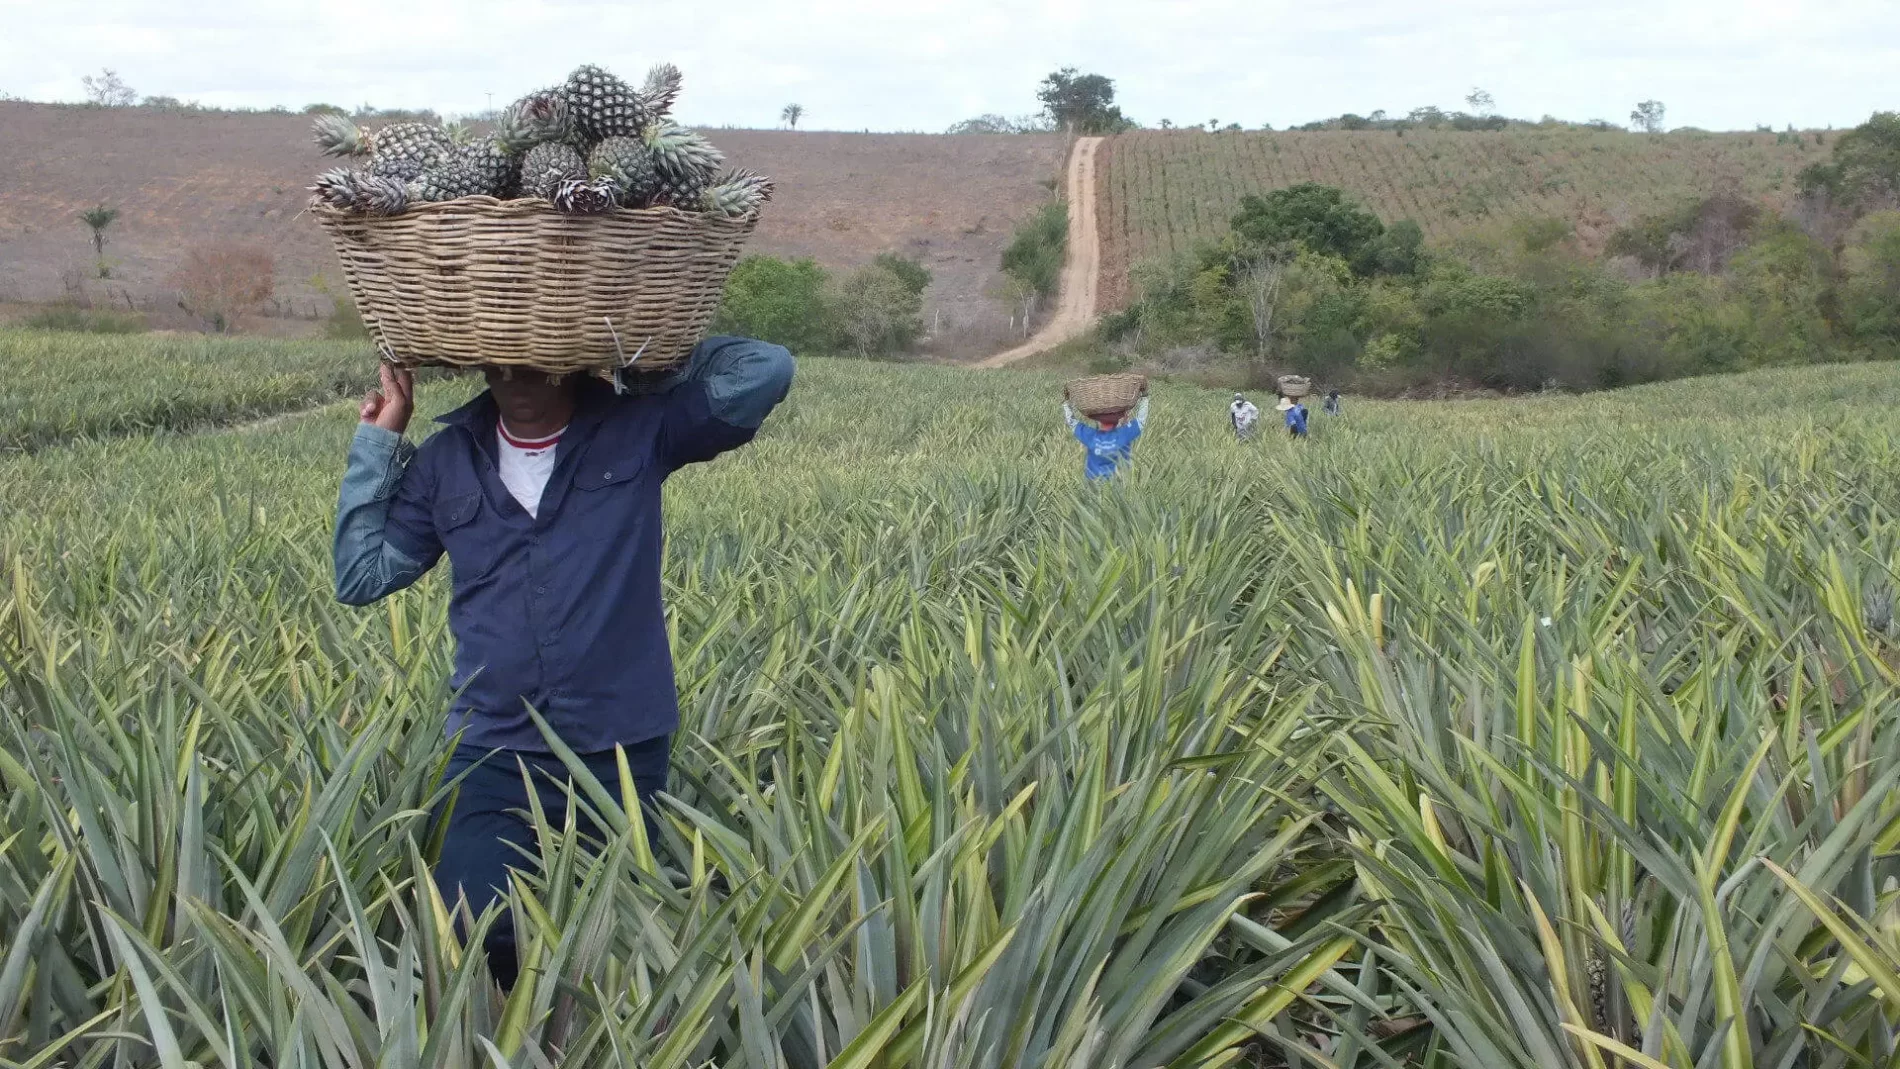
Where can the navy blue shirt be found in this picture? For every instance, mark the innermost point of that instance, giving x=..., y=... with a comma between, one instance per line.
x=560, y=611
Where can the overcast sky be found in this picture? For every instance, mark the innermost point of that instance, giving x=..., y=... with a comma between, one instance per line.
x=922, y=64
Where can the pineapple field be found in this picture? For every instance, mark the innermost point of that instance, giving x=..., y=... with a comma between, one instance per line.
x=1555, y=732
x=1162, y=193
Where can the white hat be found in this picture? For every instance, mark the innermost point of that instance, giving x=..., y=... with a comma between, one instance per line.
x=1283, y=406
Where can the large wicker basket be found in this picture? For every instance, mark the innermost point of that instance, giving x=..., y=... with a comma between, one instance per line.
x=480, y=281
x=1103, y=395
x=1295, y=386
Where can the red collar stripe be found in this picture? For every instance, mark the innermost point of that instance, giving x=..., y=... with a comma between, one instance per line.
x=524, y=443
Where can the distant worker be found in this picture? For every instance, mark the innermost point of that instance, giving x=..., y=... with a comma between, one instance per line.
x=1332, y=403
x=1244, y=415
x=1295, y=416
x=1108, y=445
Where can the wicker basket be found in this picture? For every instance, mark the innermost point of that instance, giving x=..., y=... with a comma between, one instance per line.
x=1103, y=395
x=480, y=281
x=1295, y=386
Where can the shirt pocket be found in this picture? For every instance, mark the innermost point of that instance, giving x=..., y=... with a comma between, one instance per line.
x=607, y=498
x=472, y=551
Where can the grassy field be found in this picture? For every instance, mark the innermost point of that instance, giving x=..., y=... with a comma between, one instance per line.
x=1161, y=193
x=1479, y=734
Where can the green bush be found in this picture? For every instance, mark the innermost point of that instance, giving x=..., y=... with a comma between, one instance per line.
x=85, y=320
x=1034, y=256
x=780, y=301
x=876, y=311
x=914, y=275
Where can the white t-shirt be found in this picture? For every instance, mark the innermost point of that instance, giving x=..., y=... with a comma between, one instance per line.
x=526, y=465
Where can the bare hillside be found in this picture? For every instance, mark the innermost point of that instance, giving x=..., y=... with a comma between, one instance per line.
x=184, y=178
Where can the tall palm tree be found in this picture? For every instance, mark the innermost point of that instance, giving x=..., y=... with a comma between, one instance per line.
x=791, y=114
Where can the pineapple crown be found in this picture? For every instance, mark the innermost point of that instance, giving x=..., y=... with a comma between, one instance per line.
x=535, y=119
x=337, y=135
x=662, y=88
x=679, y=151
x=574, y=195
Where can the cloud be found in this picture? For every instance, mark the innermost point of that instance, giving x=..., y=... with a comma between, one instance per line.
x=923, y=64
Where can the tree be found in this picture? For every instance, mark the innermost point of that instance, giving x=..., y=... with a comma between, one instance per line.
x=984, y=124
x=1480, y=101
x=1167, y=124
x=108, y=90
x=914, y=274
x=1316, y=216
x=222, y=283
x=98, y=218
x=1081, y=103
x=1260, y=277
x=1648, y=116
x=791, y=114
x=1864, y=173
x=878, y=313
x=780, y=301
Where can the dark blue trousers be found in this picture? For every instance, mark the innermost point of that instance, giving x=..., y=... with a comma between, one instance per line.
x=488, y=826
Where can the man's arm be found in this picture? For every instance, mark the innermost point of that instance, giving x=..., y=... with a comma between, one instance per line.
x=730, y=386
x=1141, y=412
x=1068, y=416
x=385, y=534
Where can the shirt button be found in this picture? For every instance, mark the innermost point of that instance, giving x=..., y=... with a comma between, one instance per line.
x=540, y=590
x=606, y=474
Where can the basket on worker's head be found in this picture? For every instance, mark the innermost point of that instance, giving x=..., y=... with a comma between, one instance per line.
x=479, y=281
x=1106, y=395
x=1295, y=386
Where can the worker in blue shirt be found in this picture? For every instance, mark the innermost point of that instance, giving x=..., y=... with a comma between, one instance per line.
x=545, y=497
x=1295, y=416
x=1108, y=445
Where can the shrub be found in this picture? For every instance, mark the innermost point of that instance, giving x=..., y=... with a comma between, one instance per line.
x=780, y=301
x=1871, y=301
x=877, y=312
x=1034, y=256
x=222, y=283
x=85, y=320
x=1316, y=216
x=916, y=276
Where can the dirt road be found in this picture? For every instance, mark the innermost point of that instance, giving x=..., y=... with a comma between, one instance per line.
x=1075, y=309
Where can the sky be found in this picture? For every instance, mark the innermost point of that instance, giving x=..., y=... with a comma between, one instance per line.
x=924, y=64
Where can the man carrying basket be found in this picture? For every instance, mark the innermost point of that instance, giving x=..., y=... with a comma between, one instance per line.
x=1106, y=400
x=545, y=496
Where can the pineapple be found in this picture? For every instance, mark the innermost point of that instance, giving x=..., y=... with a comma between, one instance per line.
x=591, y=196
x=496, y=169
x=736, y=194
x=536, y=119
x=400, y=150
x=626, y=163
x=662, y=88
x=548, y=165
x=381, y=195
x=603, y=106
x=685, y=162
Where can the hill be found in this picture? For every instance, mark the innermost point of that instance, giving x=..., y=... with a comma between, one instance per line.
x=1162, y=192
x=185, y=178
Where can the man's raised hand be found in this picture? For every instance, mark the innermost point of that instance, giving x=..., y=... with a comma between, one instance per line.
x=391, y=406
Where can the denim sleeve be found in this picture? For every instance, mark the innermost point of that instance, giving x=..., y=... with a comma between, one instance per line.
x=730, y=386
x=385, y=538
